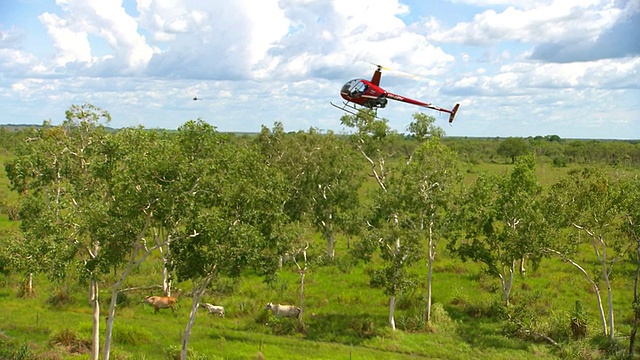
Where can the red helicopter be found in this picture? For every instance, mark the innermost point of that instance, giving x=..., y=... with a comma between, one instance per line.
x=370, y=95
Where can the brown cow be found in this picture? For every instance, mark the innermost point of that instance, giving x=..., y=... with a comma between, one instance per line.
x=161, y=302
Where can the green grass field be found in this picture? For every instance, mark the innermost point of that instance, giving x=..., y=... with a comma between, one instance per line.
x=344, y=317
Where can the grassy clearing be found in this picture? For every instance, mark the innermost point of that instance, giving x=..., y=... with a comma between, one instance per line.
x=345, y=320
x=344, y=317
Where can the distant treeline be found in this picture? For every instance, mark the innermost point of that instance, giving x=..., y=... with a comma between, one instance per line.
x=549, y=148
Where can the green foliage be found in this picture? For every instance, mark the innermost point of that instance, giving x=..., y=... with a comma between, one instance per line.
x=228, y=192
x=501, y=220
x=130, y=335
x=513, y=147
x=172, y=352
x=71, y=342
x=14, y=350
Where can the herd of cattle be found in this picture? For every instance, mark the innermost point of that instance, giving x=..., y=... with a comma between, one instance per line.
x=169, y=302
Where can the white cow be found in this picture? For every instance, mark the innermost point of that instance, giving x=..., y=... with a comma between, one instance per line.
x=283, y=310
x=214, y=309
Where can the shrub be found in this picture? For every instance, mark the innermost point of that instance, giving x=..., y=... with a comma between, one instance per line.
x=223, y=286
x=363, y=327
x=346, y=263
x=440, y=318
x=71, y=342
x=282, y=326
x=13, y=350
x=61, y=298
x=130, y=335
x=173, y=353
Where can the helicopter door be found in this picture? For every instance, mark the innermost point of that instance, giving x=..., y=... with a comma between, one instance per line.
x=357, y=89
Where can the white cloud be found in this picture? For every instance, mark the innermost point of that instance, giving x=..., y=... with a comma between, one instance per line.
x=72, y=46
x=104, y=19
x=514, y=65
x=550, y=21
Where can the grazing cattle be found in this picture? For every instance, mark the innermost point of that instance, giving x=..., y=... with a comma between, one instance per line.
x=283, y=310
x=161, y=302
x=214, y=309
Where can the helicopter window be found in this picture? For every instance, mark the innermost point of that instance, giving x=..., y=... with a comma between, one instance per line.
x=358, y=88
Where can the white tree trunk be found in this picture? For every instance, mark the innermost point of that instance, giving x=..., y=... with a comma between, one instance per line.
x=28, y=291
x=197, y=296
x=392, y=309
x=133, y=263
x=331, y=252
x=429, y=280
x=95, y=304
x=595, y=287
x=431, y=259
x=302, y=275
x=523, y=271
x=605, y=277
x=166, y=281
x=506, y=281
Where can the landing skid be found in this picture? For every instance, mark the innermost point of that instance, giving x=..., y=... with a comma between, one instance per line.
x=352, y=109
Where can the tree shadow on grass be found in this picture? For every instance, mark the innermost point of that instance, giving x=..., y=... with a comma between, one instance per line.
x=350, y=329
x=481, y=330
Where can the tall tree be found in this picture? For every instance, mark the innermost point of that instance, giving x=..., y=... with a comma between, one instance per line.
x=591, y=203
x=502, y=222
x=235, y=219
x=369, y=138
x=62, y=199
x=407, y=201
x=512, y=147
x=87, y=204
x=631, y=226
x=322, y=176
x=428, y=185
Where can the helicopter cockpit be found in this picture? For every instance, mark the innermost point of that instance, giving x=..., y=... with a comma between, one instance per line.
x=353, y=88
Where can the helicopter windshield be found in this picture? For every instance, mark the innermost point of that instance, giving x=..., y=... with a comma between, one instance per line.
x=353, y=88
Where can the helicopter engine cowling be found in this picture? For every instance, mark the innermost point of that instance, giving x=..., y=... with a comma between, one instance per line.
x=379, y=102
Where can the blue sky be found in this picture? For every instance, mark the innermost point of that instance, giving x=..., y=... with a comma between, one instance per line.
x=517, y=67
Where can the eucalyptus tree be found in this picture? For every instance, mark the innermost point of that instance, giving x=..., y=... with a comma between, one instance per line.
x=322, y=174
x=592, y=204
x=427, y=191
x=412, y=197
x=87, y=205
x=501, y=222
x=631, y=226
x=63, y=200
x=415, y=209
x=369, y=138
x=236, y=219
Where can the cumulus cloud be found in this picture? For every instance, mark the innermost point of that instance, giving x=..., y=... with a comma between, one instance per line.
x=337, y=39
x=620, y=39
x=560, y=19
x=284, y=60
x=222, y=40
x=104, y=19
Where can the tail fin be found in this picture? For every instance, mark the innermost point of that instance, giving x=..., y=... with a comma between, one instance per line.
x=453, y=113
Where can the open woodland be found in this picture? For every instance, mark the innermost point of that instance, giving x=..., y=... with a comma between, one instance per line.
x=394, y=245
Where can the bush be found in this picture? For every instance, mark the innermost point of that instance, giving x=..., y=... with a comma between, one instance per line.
x=173, y=353
x=61, y=298
x=560, y=161
x=440, y=318
x=13, y=350
x=363, y=327
x=282, y=326
x=71, y=342
x=130, y=335
x=346, y=263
